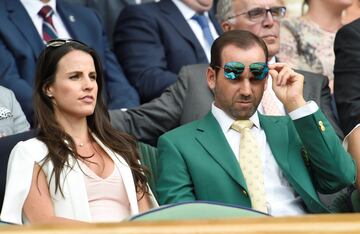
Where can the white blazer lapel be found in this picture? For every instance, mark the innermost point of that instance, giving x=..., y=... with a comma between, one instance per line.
x=75, y=188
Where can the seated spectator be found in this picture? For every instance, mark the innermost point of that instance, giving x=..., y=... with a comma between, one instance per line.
x=190, y=98
x=352, y=12
x=307, y=42
x=109, y=11
x=23, y=32
x=12, y=118
x=347, y=86
x=234, y=155
x=78, y=168
x=154, y=40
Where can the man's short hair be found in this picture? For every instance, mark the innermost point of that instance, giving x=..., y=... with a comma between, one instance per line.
x=239, y=38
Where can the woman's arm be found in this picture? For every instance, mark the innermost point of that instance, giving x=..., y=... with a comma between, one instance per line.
x=144, y=202
x=38, y=207
x=354, y=150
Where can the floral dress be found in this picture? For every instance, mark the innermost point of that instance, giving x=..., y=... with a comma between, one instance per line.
x=305, y=46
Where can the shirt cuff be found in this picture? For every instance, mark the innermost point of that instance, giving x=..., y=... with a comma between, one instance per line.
x=310, y=108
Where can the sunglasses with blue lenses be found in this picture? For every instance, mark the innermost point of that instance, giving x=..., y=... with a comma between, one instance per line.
x=233, y=70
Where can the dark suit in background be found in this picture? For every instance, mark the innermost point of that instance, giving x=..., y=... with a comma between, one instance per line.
x=347, y=75
x=109, y=11
x=190, y=99
x=153, y=42
x=20, y=45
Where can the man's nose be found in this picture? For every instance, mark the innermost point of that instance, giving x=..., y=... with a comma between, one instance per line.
x=245, y=87
x=268, y=19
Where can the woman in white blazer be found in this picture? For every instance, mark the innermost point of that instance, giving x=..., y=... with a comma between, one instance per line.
x=78, y=168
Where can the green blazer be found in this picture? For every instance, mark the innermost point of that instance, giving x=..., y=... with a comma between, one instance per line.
x=197, y=163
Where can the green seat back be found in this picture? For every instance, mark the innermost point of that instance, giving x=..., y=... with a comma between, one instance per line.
x=148, y=158
x=355, y=200
x=195, y=211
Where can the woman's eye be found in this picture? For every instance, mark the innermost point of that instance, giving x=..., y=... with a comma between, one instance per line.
x=74, y=77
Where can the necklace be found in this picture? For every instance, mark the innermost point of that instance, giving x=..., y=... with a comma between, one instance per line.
x=82, y=144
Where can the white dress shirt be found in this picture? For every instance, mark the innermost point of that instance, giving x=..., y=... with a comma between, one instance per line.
x=187, y=12
x=33, y=7
x=281, y=198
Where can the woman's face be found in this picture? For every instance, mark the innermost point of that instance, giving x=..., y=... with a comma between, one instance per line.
x=74, y=90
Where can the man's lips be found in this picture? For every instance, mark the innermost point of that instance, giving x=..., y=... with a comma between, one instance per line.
x=244, y=103
x=269, y=38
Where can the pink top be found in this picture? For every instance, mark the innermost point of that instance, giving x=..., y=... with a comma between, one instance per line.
x=108, y=200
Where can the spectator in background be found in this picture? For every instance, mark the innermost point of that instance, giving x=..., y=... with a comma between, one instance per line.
x=12, y=118
x=307, y=42
x=77, y=168
x=154, y=40
x=109, y=11
x=352, y=12
x=347, y=86
x=22, y=35
x=190, y=98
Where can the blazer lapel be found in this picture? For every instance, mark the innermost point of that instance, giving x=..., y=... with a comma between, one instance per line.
x=278, y=139
x=174, y=17
x=286, y=154
x=215, y=23
x=69, y=20
x=19, y=16
x=77, y=191
x=211, y=137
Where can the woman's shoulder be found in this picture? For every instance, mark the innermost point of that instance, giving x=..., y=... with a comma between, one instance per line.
x=32, y=148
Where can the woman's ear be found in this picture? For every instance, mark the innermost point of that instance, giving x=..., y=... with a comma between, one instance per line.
x=48, y=91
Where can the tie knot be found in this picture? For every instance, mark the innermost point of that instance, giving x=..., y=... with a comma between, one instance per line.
x=240, y=125
x=201, y=19
x=46, y=12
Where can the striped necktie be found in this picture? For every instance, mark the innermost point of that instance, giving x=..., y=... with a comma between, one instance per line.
x=203, y=22
x=48, y=29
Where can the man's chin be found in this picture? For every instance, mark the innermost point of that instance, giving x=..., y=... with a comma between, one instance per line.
x=243, y=114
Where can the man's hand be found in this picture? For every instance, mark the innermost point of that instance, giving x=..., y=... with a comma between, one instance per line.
x=287, y=85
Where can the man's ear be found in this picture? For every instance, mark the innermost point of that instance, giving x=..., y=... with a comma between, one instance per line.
x=226, y=26
x=211, y=78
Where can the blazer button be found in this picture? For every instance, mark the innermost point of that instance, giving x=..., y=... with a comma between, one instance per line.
x=244, y=192
x=321, y=126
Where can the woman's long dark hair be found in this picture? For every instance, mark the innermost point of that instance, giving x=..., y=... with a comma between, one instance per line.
x=60, y=144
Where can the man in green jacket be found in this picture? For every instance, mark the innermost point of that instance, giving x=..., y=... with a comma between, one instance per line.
x=297, y=155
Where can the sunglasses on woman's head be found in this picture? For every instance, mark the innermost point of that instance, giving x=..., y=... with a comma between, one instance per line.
x=60, y=42
x=233, y=70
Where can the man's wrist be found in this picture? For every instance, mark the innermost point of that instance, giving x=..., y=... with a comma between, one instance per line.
x=294, y=104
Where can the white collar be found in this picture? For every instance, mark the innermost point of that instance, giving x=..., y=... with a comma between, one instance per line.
x=34, y=6
x=185, y=10
x=225, y=121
